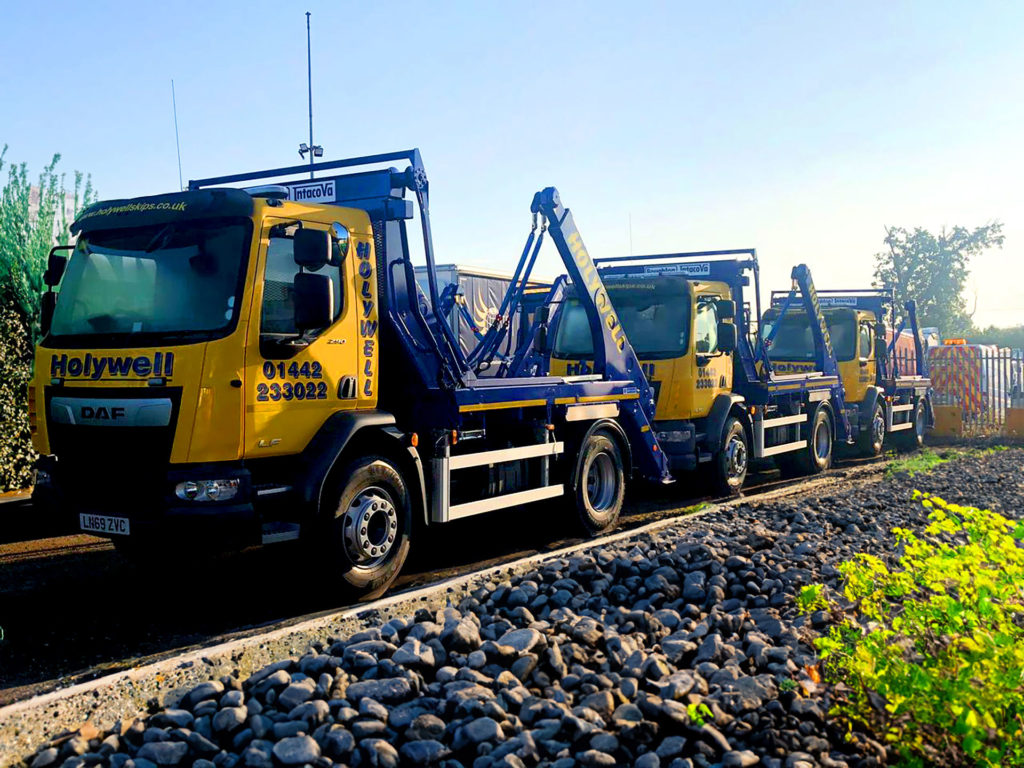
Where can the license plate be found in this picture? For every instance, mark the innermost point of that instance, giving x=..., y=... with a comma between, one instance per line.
x=103, y=524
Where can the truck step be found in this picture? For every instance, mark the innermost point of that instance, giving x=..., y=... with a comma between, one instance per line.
x=277, y=532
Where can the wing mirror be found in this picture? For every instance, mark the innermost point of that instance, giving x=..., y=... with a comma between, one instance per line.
x=312, y=248
x=339, y=243
x=543, y=316
x=726, y=309
x=727, y=338
x=314, y=301
x=56, y=263
x=46, y=310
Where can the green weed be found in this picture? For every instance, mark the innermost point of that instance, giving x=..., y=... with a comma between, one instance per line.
x=924, y=460
x=933, y=661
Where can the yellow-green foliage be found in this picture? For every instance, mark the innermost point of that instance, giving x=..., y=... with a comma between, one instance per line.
x=934, y=659
x=924, y=460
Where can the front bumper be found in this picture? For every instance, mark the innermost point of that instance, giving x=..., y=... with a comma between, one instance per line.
x=156, y=516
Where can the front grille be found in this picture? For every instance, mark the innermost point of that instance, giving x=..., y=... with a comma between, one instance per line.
x=113, y=467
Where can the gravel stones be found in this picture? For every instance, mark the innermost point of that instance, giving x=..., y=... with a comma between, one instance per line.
x=230, y=718
x=423, y=752
x=164, y=752
x=296, y=693
x=521, y=640
x=296, y=750
x=663, y=649
x=389, y=690
x=462, y=636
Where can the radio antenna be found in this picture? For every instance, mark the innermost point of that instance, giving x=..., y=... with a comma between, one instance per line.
x=313, y=149
x=177, y=144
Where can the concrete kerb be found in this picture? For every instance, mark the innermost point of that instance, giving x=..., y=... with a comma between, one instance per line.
x=27, y=725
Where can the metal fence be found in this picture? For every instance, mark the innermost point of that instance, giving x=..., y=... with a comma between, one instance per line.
x=985, y=383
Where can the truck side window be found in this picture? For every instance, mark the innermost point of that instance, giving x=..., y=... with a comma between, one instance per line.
x=705, y=335
x=278, y=316
x=866, y=343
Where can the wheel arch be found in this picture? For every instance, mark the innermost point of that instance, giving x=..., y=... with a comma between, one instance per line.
x=724, y=406
x=829, y=409
x=346, y=436
x=617, y=433
x=867, y=407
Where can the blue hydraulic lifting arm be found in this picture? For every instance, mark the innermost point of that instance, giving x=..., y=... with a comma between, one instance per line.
x=803, y=291
x=531, y=358
x=613, y=354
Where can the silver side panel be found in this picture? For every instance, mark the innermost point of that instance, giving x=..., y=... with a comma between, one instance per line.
x=506, y=454
x=504, y=501
x=760, y=425
x=441, y=509
x=592, y=412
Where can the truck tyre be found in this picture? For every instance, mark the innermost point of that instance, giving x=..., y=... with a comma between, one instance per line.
x=600, y=484
x=871, y=440
x=732, y=459
x=912, y=439
x=368, y=527
x=816, y=455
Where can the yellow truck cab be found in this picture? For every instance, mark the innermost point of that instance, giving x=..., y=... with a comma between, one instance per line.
x=181, y=343
x=673, y=324
x=880, y=398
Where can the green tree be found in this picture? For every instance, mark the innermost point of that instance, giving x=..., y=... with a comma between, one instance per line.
x=26, y=237
x=932, y=270
x=1012, y=337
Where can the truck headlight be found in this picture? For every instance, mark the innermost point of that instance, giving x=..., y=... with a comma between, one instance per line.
x=674, y=436
x=207, y=490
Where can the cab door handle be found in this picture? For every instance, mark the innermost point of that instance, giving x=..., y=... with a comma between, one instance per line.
x=347, y=388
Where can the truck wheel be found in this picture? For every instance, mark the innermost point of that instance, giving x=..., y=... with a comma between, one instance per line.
x=912, y=439
x=368, y=533
x=732, y=460
x=816, y=455
x=600, y=484
x=871, y=440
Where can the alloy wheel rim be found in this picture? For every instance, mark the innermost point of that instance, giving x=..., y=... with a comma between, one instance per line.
x=878, y=429
x=821, y=441
x=601, y=482
x=736, y=457
x=370, y=527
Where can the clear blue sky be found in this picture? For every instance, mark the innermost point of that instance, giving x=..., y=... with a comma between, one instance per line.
x=797, y=128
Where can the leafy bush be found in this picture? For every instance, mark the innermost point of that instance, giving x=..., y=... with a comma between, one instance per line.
x=16, y=454
x=26, y=236
x=933, y=660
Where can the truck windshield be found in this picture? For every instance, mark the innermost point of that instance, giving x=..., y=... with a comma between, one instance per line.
x=178, y=281
x=793, y=340
x=656, y=321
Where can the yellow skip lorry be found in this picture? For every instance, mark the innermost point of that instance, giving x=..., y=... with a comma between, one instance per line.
x=720, y=403
x=231, y=367
x=888, y=394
